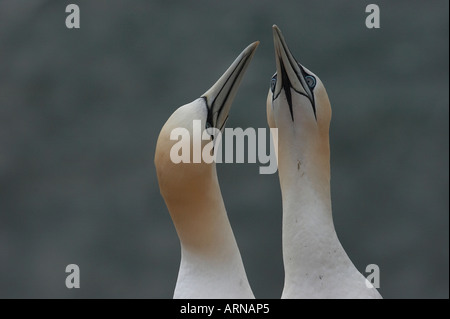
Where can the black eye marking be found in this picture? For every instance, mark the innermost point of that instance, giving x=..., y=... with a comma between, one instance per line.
x=311, y=81
x=273, y=83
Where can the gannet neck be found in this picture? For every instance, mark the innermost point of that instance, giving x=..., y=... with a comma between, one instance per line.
x=210, y=261
x=211, y=265
x=316, y=265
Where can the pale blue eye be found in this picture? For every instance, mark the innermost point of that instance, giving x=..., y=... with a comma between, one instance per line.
x=311, y=81
x=273, y=83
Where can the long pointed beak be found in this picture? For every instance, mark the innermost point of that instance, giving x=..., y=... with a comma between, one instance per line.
x=221, y=95
x=287, y=67
x=290, y=73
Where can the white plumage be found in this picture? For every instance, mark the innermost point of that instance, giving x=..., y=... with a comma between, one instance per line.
x=315, y=263
x=211, y=265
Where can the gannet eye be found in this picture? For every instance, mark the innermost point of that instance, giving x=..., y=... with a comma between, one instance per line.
x=273, y=83
x=311, y=81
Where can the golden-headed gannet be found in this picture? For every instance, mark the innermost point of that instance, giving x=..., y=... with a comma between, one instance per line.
x=211, y=265
x=315, y=263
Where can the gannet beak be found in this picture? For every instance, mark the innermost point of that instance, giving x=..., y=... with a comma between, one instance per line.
x=221, y=95
x=290, y=73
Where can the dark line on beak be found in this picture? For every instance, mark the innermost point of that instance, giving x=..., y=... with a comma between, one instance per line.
x=239, y=68
x=287, y=83
x=287, y=88
x=313, y=102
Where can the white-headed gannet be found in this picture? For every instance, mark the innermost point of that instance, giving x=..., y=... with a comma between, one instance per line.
x=315, y=263
x=211, y=265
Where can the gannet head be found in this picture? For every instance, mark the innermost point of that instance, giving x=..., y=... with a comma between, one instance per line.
x=298, y=105
x=181, y=180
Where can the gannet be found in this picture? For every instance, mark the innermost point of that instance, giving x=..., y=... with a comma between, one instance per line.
x=211, y=265
x=315, y=263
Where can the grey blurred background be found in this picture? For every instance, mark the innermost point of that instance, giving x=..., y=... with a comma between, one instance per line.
x=80, y=112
